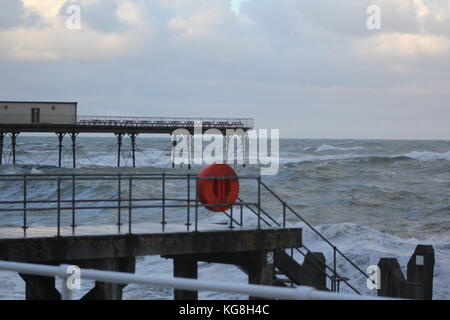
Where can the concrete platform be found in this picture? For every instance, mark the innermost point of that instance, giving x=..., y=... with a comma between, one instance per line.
x=96, y=242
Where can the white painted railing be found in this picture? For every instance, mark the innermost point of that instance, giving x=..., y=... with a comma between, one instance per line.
x=262, y=291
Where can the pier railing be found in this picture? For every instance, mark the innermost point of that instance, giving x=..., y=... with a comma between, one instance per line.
x=123, y=201
x=161, y=198
x=137, y=122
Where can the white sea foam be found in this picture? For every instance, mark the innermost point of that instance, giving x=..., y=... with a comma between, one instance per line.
x=327, y=147
x=365, y=246
x=428, y=156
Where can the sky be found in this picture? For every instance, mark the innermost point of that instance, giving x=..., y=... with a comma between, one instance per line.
x=311, y=68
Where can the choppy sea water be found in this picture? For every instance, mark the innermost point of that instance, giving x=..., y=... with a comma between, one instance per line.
x=372, y=198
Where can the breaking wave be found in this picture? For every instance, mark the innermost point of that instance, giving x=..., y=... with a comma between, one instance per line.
x=327, y=147
x=415, y=155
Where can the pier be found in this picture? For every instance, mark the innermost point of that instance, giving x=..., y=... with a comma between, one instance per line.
x=13, y=125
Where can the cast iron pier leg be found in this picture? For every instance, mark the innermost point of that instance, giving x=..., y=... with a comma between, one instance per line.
x=13, y=145
x=133, y=147
x=119, y=146
x=60, y=139
x=73, y=136
x=174, y=146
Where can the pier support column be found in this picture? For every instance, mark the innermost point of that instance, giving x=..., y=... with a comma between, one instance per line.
x=119, y=146
x=2, y=136
x=260, y=267
x=174, y=146
x=73, y=136
x=60, y=139
x=185, y=267
x=103, y=290
x=40, y=288
x=243, y=137
x=13, y=145
x=189, y=147
x=133, y=147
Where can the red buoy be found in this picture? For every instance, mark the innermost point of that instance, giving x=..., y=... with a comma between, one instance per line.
x=212, y=191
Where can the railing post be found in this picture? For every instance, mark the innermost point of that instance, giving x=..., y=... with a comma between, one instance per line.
x=59, y=208
x=24, y=204
x=242, y=214
x=130, y=194
x=119, y=201
x=163, y=222
x=73, y=204
x=188, y=200
x=259, y=202
x=196, y=204
x=333, y=286
x=231, y=217
x=284, y=214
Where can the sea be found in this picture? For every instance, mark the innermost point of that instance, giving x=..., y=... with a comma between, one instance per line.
x=370, y=198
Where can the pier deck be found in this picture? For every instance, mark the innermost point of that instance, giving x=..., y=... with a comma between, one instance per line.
x=170, y=242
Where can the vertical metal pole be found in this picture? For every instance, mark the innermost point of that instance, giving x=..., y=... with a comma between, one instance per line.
x=196, y=204
x=119, y=202
x=174, y=146
x=73, y=135
x=227, y=145
x=334, y=270
x=231, y=217
x=13, y=146
x=130, y=183
x=60, y=139
x=189, y=151
x=73, y=205
x=242, y=214
x=163, y=221
x=243, y=149
x=59, y=207
x=133, y=147
x=284, y=215
x=2, y=136
x=119, y=147
x=259, y=202
x=24, y=204
x=188, y=200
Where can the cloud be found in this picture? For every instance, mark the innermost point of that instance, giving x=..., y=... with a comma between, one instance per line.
x=403, y=45
x=130, y=13
x=50, y=39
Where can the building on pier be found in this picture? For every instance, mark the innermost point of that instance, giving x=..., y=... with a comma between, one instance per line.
x=37, y=113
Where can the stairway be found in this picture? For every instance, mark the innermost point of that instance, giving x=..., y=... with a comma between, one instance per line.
x=288, y=272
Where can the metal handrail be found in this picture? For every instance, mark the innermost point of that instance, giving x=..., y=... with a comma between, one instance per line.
x=336, y=274
x=317, y=233
x=263, y=291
